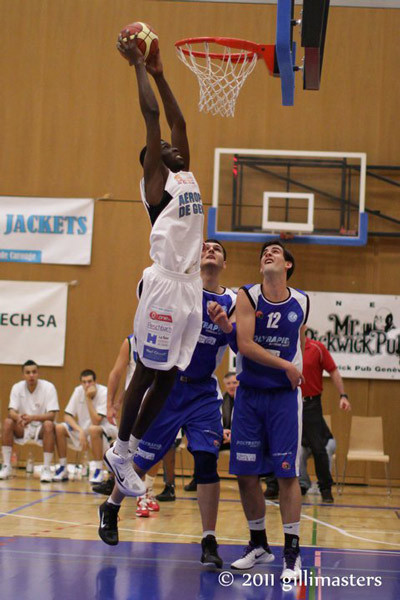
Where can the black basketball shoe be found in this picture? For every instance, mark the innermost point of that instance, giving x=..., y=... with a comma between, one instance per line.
x=210, y=556
x=108, y=527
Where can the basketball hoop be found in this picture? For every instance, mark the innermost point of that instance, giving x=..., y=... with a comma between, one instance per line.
x=221, y=75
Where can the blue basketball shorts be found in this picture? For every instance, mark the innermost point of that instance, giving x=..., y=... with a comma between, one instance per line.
x=194, y=407
x=266, y=432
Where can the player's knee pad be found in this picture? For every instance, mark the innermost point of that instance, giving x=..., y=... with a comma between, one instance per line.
x=205, y=467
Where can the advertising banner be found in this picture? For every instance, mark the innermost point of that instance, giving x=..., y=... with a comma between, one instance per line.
x=46, y=230
x=33, y=322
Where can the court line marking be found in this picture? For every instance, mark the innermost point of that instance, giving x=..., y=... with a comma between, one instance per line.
x=313, y=519
x=350, y=551
x=394, y=531
x=26, y=505
x=112, y=557
x=185, y=535
x=317, y=563
x=126, y=529
x=343, y=532
x=194, y=498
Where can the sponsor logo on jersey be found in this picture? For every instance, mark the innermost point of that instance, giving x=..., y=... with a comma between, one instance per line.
x=155, y=354
x=272, y=340
x=185, y=177
x=190, y=203
x=259, y=314
x=151, y=338
x=204, y=339
x=159, y=327
x=285, y=465
x=245, y=457
x=151, y=445
x=216, y=443
x=292, y=316
x=210, y=326
x=249, y=443
x=160, y=317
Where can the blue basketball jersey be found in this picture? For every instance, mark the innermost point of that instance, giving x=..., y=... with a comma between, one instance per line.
x=277, y=329
x=212, y=341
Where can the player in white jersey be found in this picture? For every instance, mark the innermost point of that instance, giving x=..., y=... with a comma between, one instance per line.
x=31, y=415
x=85, y=422
x=169, y=315
x=195, y=405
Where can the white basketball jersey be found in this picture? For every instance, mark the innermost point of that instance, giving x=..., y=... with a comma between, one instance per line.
x=177, y=234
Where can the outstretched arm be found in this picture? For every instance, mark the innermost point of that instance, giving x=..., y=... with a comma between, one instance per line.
x=173, y=113
x=155, y=172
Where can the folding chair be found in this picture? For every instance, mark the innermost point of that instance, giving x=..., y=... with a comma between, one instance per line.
x=366, y=444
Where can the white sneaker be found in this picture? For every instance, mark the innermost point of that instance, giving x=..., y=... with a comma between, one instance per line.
x=61, y=474
x=46, y=475
x=253, y=555
x=97, y=477
x=5, y=471
x=126, y=478
x=291, y=565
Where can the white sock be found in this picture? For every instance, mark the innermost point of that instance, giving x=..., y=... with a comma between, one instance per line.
x=63, y=462
x=111, y=501
x=292, y=528
x=208, y=532
x=98, y=464
x=47, y=458
x=133, y=443
x=7, y=451
x=121, y=448
x=257, y=524
x=149, y=482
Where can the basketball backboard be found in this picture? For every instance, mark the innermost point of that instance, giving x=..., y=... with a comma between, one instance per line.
x=314, y=197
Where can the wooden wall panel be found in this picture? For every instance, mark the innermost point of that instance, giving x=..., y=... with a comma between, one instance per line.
x=71, y=127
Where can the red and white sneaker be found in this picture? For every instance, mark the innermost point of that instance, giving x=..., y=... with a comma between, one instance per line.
x=152, y=503
x=142, y=510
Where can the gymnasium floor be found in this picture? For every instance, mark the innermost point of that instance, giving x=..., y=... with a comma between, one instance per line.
x=49, y=547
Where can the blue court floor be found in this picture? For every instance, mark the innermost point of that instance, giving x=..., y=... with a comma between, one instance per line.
x=65, y=569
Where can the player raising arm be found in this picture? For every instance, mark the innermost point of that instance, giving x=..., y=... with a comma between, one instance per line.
x=169, y=315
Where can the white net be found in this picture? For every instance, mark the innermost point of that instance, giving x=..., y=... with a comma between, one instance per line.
x=220, y=79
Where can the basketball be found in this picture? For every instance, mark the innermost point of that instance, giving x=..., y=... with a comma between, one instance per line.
x=146, y=37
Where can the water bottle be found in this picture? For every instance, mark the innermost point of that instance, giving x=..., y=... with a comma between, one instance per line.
x=85, y=464
x=78, y=472
x=29, y=465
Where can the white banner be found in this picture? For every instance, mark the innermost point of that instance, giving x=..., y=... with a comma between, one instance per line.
x=46, y=230
x=33, y=319
x=361, y=331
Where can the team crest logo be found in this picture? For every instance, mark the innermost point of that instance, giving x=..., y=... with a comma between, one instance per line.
x=292, y=316
x=285, y=465
x=216, y=443
x=259, y=314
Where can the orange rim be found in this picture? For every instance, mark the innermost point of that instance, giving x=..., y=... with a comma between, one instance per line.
x=250, y=47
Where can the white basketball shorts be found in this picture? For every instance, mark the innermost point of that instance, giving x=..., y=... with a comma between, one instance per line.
x=169, y=317
x=31, y=434
x=110, y=433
